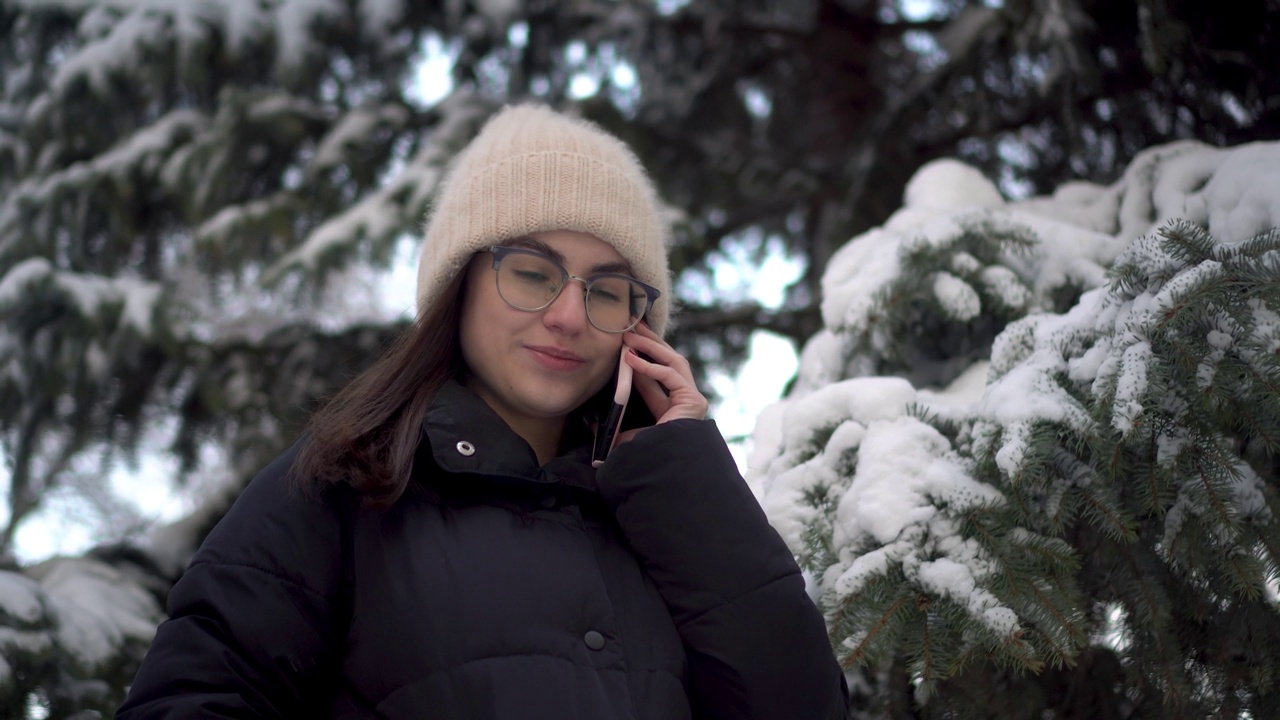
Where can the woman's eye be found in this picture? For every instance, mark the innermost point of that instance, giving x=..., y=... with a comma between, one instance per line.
x=532, y=277
x=604, y=296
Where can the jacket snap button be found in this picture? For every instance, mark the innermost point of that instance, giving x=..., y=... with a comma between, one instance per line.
x=593, y=639
x=466, y=448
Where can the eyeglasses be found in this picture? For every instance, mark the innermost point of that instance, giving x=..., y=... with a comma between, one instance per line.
x=530, y=281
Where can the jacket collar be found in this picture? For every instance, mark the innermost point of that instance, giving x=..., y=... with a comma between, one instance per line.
x=467, y=437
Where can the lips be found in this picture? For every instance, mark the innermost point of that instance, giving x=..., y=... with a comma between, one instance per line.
x=555, y=358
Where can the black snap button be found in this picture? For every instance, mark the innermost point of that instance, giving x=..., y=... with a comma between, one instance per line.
x=593, y=639
x=549, y=502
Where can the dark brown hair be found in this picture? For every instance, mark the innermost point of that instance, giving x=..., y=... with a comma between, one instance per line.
x=367, y=434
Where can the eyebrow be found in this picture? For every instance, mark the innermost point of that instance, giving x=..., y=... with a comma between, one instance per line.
x=621, y=266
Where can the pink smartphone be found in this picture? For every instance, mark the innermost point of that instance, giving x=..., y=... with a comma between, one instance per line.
x=607, y=433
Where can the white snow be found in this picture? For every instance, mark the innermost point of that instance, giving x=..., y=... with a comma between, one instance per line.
x=1067, y=255
x=1250, y=493
x=965, y=264
x=861, y=273
x=378, y=214
x=294, y=19
x=99, y=610
x=140, y=301
x=245, y=22
x=960, y=398
x=228, y=221
x=83, y=607
x=20, y=598
x=90, y=293
x=275, y=106
x=1169, y=444
x=798, y=467
x=948, y=184
x=143, y=152
x=958, y=299
x=87, y=291
x=1266, y=329
x=891, y=513
x=351, y=128
x=1004, y=284
x=904, y=466
x=97, y=59
x=822, y=362
x=1176, y=290
x=895, y=481
x=14, y=285
x=1028, y=392
x=949, y=578
x=1130, y=386
x=117, y=31
x=1240, y=198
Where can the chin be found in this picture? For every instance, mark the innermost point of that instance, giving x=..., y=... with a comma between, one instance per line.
x=554, y=409
x=555, y=405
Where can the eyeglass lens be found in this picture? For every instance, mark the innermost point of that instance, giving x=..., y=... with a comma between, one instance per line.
x=531, y=282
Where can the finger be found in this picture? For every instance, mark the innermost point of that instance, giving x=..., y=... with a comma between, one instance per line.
x=671, y=377
x=660, y=351
x=654, y=396
x=650, y=389
x=682, y=396
x=672, y=371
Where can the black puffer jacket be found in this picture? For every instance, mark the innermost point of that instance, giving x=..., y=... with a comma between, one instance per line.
x=653, y=589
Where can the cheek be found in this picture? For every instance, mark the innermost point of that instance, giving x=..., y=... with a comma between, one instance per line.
x=612, y=356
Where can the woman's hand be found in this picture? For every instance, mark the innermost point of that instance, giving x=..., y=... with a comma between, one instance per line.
x=666, y=383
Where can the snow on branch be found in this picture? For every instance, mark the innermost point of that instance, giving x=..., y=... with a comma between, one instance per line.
x=352, y=129
x=118, y=33
x=142, y=154
x=114, y=41
x=1112, y=360
x=399, y=203
x=812, y=439
x=92, y=295
x=294, y=21
x=76, y=627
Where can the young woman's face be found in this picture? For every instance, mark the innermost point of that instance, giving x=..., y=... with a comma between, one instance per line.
x=541, y=365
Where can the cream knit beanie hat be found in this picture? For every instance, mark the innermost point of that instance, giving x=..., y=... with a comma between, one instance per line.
x=531, y=170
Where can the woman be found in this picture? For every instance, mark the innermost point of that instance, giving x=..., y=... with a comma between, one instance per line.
x=439, y=544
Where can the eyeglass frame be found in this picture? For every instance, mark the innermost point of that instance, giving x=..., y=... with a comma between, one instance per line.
x=501, y=251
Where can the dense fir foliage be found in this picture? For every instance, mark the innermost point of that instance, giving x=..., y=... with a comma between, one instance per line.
x=1089, y=519
x=192, y=192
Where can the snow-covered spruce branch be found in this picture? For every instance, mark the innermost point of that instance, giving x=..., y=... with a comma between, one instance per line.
x=74, y=629
x=1103, y=486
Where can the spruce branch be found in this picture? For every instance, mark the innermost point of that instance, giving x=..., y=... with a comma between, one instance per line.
x=860, y=652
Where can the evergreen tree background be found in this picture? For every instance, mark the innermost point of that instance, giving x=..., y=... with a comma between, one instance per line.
x=1080, y=521
x=193, y=193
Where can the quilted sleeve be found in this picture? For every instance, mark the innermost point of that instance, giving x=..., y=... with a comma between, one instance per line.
x=757, y=645
x=253, y=621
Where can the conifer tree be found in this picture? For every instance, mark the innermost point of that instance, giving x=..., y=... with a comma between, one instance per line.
x=168, y=171
x=192, y=190
x=1085, y=525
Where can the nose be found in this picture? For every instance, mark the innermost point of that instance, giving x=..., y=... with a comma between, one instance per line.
x=568, y=312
